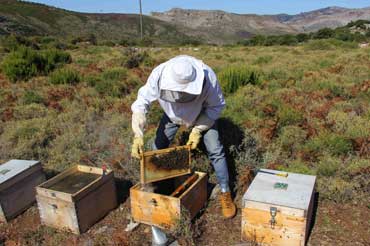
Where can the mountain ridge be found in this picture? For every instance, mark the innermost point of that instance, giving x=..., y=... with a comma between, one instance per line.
x=169, y=27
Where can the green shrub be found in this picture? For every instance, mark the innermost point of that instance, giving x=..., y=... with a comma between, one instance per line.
x=291, y=137
x=232, y=78
x=54, y=58
x=335, y=188
x=328, y=166
x=298, y=166
x=115, y=74
x=64, y=76
x=289, y=116
x=24, y=63
x=109, y=88
x=134, y=58
x=31, y=96
x=329, y=142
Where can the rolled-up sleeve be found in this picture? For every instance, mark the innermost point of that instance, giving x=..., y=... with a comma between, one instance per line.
x=215, y=101
x=148, y=93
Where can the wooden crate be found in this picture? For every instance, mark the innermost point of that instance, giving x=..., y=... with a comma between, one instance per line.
x=77, y=198
x=294, y=206
x=18, y=179
x=164, y=211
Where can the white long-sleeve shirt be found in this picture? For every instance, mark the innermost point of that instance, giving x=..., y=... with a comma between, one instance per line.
x=211, y=101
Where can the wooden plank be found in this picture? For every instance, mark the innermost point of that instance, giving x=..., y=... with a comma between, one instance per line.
x=288, y=230
x=149, y=172
x=195, y=197
x=57, y=213
x=154, y=209
x=266, y=207
x=96, y=204
x=54, y=194
x=21, y=195
x=95, y=170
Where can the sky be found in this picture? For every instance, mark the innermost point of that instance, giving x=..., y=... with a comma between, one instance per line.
x=235, y=6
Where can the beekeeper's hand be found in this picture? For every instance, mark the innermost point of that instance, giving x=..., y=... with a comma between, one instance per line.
x=137, y=147
x=138, y=124
x=202, y=124
x=194, y=138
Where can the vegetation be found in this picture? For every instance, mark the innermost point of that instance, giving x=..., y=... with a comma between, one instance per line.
x=357, y=31
x=301, y=108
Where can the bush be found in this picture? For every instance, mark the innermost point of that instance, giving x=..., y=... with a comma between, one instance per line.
x=234, y=77
x=54, y=58
x=328, y=166
x=133, y=58
x=65, y=76
x=24, y=63
x=289, y=116
x=330, y=142
x=31, y=97
x=115, y=74
x=291, y=137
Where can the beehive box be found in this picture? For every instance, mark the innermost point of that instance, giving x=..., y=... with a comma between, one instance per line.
x=18, y=179
x=156, y=206
x=276, y=214
x=77, y=198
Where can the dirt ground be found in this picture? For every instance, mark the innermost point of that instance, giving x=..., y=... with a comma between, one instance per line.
x=334, y=224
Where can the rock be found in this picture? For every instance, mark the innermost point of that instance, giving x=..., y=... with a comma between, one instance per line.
x=101, y=230
x=131, y=226
x=216, y=190
x=176, y=243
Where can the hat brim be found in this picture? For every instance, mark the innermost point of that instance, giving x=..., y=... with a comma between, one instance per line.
x=194, y=87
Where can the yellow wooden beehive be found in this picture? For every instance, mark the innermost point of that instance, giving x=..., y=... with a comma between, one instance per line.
x=156, y=206
x=277, y=210
x=77, y=198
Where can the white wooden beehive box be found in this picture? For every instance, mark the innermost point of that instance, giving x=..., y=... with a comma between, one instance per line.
x=276, y=214
x=18, y=179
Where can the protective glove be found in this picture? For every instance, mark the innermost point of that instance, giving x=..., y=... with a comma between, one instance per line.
x=138, y=124
x=137, y=147
x=194, y=138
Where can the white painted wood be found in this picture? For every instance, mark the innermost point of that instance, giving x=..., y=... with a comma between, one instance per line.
x=14, y=167
x=297, y=195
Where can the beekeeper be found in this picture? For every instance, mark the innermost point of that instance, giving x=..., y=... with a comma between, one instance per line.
x=189, y=94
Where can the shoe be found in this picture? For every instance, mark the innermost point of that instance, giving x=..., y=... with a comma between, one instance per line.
x=227, y=205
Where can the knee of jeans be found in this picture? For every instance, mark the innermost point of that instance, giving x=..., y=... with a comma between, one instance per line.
x=216, y=152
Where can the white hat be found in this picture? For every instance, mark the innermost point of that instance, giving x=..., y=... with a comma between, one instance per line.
x=184, y=74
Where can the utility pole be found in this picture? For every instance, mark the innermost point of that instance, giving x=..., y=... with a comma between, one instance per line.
x=141, y=20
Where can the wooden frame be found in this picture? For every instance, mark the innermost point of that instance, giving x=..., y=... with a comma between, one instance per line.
x=148, y=173
x=78, y=211
x=165, y=211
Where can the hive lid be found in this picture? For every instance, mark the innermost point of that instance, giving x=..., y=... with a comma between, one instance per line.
x=164, y=164
x=14, y=168
x=296, y=195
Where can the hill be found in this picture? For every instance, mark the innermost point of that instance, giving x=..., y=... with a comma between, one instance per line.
x=225, y=26
x=25, y=18
x=177, y=26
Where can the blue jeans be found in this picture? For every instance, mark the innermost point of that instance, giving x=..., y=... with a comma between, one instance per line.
x=166, y=133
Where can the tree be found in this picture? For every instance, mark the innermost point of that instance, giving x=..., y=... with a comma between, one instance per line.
x=324, y=33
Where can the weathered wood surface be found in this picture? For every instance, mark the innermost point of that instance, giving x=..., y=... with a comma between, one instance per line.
x=20, y=196
x=79, y=210
x=18, y=179
x=149, y=172
x=165, y=211
x=294, y=210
